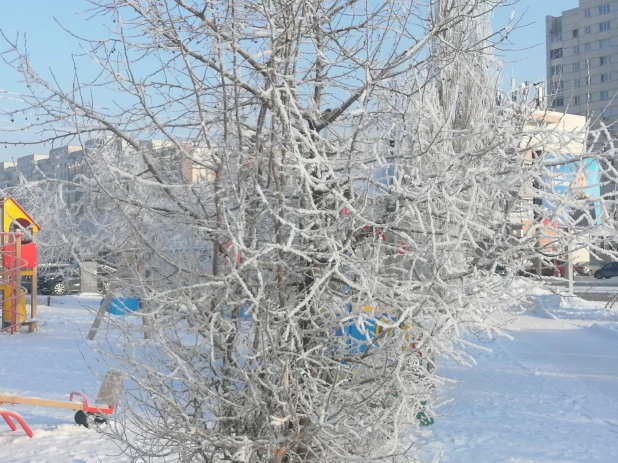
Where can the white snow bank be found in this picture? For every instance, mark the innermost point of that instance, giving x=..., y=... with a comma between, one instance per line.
x=548, y=396
x=547, y=304
x=64, y=443
x=609, y=330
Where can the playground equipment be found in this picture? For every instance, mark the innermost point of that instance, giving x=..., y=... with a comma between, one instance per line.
x=85, y=413
x=359, y=336
x=18, y=258
x=116, y=306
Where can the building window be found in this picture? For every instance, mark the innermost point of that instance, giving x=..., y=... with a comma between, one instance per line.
x=603, y=60
x=557, y=86
x=587, y=13
x=576, y=83
x=556, y=37
x=606, y=77
x=605, y=95
x=587, y=30
x=605, y=43
x=588, y=46
x=575, y=33
x=576, y=100
x=576, y=50
x=604, y=9
x=556, y=70
x=555, y=54
x=607, y=113
x=558, y=102
x=575, y=67
x=604, y=26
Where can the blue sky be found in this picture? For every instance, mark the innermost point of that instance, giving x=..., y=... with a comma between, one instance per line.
x=526, y=58
x=51, y=47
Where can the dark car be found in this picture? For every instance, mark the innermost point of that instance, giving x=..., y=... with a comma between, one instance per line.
x=501, y=270
x=64, y=279
x=547, y=270
x=607, y=271
x=60, y=280
x=26, y=283
x=44, y=271
x=497, y=270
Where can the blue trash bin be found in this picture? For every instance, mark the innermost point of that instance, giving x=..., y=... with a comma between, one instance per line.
x=123, y=305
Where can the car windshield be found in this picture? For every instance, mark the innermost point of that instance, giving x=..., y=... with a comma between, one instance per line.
x=46, y=271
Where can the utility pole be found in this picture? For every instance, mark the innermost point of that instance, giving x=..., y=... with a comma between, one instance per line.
x=537, y=202
x=569, y=265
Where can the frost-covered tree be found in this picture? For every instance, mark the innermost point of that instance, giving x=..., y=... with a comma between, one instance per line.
x=315, y=220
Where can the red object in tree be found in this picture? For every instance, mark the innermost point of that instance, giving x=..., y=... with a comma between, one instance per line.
x=230, y=251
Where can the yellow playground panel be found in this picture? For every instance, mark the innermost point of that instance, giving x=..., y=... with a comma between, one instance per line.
x=7, y=304
x=13, y=213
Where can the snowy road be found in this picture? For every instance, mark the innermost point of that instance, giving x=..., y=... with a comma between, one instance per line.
x=550, y=395
x=588, y=288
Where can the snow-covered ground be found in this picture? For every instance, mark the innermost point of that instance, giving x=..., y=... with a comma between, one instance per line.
x=549, y=395
x=52, y=363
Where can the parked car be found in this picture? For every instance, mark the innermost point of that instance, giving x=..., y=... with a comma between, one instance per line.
x=580, y=269
x=547, y=270
x=60, y=280
x=26, y=283
x=607, y=271
x=63, y=279
x=501, y=270
x=583, y=269
x=43, y=270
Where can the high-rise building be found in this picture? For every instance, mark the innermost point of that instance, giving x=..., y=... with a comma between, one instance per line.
x=582, y=61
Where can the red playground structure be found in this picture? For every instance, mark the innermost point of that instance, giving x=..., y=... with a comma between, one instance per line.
x=18, y=258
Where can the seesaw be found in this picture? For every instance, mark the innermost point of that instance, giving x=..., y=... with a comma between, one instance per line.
x=85, y=413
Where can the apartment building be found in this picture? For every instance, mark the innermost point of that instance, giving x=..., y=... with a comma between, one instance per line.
x=8, y=174
x=34, y=166
x=582, y=60
x=68, y=162
x=59, y=161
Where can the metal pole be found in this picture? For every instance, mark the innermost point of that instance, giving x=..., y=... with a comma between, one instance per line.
x=569, y=266
x=32, y=327
x=12, y=291
x=17, y=264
